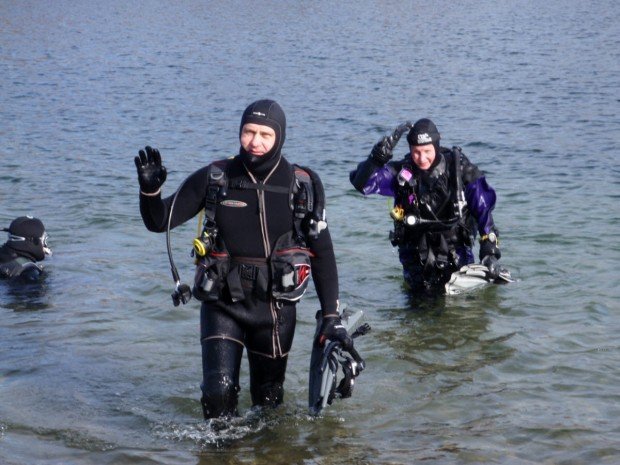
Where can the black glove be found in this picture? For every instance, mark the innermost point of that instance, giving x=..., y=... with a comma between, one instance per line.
x=489, y=246
x=332, y=329
x=491, y=262
x=490, y=254
x=151, y=173
x=381, y=153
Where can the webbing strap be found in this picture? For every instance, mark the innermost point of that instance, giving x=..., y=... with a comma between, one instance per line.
x=244, y=184
x=216, y=187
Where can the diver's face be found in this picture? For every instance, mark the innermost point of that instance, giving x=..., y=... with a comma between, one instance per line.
x=423, y=155
x=257, y=139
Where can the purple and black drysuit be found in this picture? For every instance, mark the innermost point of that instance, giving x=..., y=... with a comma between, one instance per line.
x=433, y=239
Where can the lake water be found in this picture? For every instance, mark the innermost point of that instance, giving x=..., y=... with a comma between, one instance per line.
x=98, y=367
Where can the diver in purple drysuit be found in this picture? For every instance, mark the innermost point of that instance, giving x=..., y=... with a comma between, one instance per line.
x=441, y=200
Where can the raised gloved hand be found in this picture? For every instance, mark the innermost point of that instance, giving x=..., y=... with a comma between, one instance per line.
x=382, y=151
x=332, y=329
x=151, y=173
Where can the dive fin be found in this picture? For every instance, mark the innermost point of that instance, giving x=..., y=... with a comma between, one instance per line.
x=326, y=360
x=474, y=276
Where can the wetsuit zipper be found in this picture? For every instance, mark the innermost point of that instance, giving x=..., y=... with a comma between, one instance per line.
x=262, y=215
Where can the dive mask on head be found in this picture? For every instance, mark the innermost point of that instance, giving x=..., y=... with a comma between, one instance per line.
x=37, y=241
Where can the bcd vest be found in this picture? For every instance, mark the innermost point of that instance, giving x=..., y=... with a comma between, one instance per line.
x=284, y=275
x=430, y=213
x=17, y=266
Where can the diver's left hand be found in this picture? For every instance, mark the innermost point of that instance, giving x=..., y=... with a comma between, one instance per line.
x=491, y=262
x=332, y=329
x=490, y=246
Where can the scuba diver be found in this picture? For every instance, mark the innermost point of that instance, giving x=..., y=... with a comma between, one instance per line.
x=440, y=200
x=26, y=245
x=263, y=235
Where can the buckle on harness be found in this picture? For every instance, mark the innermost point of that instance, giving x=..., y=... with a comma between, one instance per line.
x=248, y=272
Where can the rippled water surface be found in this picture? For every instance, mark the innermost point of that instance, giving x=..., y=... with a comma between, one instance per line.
x=98, y=367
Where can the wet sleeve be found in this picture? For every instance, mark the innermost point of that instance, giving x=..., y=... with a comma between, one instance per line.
x=370, y=178
x=30, y=274
x=189, y=202
x=480, y=196
x=21, y=272
x=325, y=272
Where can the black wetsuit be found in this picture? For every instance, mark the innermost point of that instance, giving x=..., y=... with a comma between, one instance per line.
x=249, y=222
x=17, y=267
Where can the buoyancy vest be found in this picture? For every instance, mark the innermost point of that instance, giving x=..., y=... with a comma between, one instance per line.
x=19, y=266
x=430, y=213
x=284, y=275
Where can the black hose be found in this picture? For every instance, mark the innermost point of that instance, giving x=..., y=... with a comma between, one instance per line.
x=182, y=292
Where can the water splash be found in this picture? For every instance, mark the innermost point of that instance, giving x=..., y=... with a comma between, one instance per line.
x=217, y=432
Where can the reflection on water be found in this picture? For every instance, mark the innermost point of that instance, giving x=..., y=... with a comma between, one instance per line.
x=447, y=333
x=19, y=296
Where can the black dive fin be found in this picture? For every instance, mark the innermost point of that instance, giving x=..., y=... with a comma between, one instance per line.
x=324, y=363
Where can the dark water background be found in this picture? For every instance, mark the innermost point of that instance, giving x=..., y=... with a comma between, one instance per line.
x=97, y=367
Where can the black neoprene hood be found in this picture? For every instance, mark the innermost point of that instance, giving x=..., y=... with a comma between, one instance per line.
x=267, y=113
x=423, y=132
x=31, y=230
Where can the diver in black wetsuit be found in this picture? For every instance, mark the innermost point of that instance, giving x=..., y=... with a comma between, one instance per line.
x=27, y=245
x=240, y=276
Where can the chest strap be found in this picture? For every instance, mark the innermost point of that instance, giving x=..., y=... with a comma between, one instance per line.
x=240, y=184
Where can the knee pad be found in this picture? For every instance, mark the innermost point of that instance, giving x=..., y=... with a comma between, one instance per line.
x=268, y=394
x=219, y=396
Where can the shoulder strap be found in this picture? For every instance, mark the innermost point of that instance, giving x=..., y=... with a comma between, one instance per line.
x=308, y=202
x=460, y=194
x=302, y=200
x=217, y=187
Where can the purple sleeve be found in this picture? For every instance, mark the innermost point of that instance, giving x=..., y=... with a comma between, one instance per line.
x=382, y=181
x=481, y=201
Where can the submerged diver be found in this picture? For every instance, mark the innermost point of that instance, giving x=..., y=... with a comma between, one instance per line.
x=440, y=200
x=263, y=235
x=26, y=245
